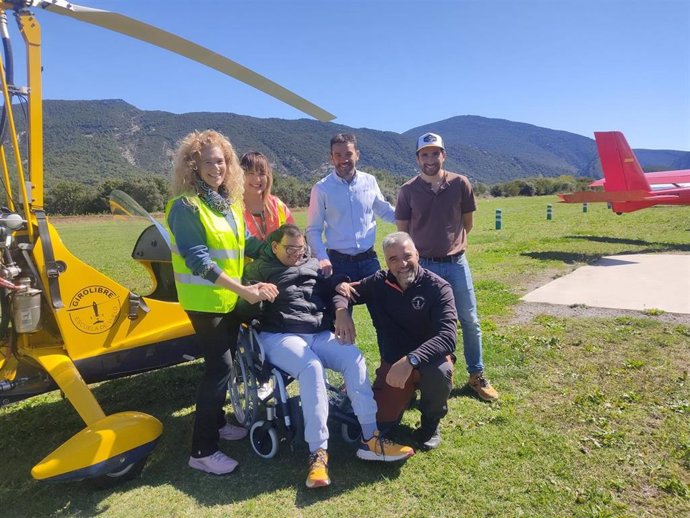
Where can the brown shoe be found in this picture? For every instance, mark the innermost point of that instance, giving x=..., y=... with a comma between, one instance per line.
x=318, y=470
x=481, y=386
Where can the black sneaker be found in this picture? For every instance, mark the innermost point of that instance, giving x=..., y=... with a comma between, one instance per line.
x=428, y=440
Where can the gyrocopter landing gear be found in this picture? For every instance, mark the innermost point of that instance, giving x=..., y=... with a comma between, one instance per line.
x=114, y=478
x=111, y=449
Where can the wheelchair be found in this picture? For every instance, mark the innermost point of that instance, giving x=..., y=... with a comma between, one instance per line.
x=260, y=400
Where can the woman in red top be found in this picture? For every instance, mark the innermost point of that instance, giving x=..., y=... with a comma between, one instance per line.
x=263, y=212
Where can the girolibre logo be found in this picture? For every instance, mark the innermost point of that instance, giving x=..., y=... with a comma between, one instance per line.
x=94, y=309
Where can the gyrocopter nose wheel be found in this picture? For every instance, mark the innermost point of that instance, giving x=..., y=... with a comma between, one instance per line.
x=123, y=474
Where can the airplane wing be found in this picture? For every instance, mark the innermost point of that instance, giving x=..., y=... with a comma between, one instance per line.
x=681, y=176
x=658, y=177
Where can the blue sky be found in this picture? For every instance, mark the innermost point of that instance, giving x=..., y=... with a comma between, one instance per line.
x=573, y=65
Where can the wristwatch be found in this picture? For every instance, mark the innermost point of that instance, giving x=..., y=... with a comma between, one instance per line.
x=413, y=360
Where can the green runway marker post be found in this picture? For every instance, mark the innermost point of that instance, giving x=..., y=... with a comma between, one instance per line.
x=499, y=216
x=549, y=212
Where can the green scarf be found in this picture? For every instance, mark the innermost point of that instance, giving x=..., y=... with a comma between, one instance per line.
x=218, y=201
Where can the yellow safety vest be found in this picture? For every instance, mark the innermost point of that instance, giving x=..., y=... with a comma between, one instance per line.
x=225, y=248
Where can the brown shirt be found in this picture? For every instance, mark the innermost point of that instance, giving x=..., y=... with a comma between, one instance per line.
x=435, y=218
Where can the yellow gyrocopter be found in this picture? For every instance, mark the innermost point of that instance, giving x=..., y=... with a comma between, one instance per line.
x=64, y=324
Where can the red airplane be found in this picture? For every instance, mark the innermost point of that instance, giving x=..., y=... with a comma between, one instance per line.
x=627, y=187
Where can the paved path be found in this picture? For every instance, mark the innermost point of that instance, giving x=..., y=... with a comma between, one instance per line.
x=637, y=282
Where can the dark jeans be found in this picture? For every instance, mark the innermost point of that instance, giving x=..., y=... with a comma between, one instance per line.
x=217, y=335
x=434, y=382
x=356, y=270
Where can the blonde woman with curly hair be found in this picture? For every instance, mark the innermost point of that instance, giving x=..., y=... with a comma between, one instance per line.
x=208, y=239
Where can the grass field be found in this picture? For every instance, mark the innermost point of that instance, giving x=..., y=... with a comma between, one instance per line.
x=593, y=419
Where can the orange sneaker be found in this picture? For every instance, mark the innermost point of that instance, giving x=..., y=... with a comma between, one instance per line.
x=481, y=386
x=382, y=449
x=318, y=469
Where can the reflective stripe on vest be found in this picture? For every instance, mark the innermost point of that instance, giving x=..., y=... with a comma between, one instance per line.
x=225, y=248
x=216, y=254
x=190, y=278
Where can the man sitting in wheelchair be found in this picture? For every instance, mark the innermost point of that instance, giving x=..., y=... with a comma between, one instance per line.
x=297, y=338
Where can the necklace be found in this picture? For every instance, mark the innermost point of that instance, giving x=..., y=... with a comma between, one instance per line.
x=260, y=224
x=435, y=185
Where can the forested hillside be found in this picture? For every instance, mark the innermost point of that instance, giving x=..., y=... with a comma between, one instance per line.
x=91, y=146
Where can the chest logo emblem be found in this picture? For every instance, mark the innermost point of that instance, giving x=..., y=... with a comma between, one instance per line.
x=418, y=302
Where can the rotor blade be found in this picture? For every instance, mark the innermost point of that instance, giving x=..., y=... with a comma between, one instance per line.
x=166, y=40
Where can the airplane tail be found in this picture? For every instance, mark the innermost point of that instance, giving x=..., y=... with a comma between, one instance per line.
x=622, y=171
x=626, y=186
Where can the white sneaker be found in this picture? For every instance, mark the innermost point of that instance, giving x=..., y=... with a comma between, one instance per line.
x=265, y=389
x=230, y=432
x=217, y=463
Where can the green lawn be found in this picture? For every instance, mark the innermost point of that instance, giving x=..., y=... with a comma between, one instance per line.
x=592, y=421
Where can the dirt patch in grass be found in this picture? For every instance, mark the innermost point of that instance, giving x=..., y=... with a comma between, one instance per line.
x=525, y=312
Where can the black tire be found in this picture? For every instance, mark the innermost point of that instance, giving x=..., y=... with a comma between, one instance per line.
x=114, y=478
x=264, y=440
x=350, y=432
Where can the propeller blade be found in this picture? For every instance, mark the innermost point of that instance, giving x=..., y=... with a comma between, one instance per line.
x=166, y=40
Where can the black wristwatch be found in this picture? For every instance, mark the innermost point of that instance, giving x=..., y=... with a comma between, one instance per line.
x=413, y=360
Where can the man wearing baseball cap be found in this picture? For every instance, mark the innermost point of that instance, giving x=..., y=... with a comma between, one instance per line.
x=436, y=208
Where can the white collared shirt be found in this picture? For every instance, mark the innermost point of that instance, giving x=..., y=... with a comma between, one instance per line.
x=346, y=212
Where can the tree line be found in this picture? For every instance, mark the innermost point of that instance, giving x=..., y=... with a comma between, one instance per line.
x=68, y=197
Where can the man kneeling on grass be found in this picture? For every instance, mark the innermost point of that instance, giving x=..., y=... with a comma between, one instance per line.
x=413, y=311
x=297, y=338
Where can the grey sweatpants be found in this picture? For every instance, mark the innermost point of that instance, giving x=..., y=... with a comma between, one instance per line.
x=304, y=357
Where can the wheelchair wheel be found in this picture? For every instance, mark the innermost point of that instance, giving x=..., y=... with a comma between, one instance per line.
x=242, y=388
x=264, y=439
x=350, y=432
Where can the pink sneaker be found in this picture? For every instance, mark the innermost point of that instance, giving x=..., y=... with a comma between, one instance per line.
x=230, y=432
x=217, y=463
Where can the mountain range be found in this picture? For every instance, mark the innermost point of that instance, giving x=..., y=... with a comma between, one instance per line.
x=90, y=141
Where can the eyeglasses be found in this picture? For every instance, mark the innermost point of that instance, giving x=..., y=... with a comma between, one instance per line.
x=292, y=249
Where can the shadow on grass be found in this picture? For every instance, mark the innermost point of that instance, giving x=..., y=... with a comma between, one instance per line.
x=580, y=257
x=651, y=246
x=464, y=391
x=33, y=429
x=564, y=257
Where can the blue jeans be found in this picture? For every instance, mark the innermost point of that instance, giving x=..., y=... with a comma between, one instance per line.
x=457, y=273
